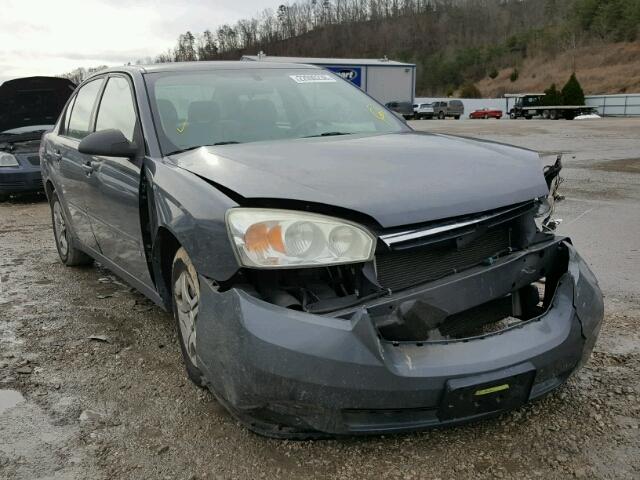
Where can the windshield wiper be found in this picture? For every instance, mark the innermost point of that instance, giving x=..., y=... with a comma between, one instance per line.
x=329, y=134
x=182, y=150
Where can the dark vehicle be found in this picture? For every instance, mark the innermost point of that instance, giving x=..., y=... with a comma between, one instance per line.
x=402, y=108
x=449, y=108
x=486, y=113
x=529, y=105
x=321, y=283
x=28, y=107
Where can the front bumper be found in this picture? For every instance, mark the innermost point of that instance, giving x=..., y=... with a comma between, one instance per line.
x=21, y=179
x=292, y=374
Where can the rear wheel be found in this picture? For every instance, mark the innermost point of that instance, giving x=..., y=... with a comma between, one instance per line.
x=545, y=114
x=68, y=253
x=441, y=115
x=185, y=289
x=457, y=117
x=553, y=114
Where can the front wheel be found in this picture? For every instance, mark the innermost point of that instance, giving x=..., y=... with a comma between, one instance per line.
x=185, y=289
x=68, y=253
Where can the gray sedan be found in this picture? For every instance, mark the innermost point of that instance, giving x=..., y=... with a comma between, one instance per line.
x=330, y=270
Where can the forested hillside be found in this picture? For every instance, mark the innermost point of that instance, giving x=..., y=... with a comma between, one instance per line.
x=453, y=42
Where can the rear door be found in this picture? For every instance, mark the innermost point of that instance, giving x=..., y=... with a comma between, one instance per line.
x=71, y=170
x=114, y=206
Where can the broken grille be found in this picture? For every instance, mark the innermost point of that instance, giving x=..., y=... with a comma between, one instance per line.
x=403, y=269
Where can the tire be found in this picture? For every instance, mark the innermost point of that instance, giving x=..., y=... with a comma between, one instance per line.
x=512, y=115
x=185, y=295
x=69, y=254
x=441, y=116
x=553, y=114
x=457, y=117
x=545, y=114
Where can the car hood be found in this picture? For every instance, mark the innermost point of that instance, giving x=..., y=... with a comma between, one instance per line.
x=33, y=101
x=397, y=179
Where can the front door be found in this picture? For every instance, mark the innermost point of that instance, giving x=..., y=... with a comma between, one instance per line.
x=114, y=204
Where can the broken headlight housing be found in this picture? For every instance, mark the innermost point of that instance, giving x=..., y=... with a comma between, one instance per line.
x=270, y=238
x=8, y=160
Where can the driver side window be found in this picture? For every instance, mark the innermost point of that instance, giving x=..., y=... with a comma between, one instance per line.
x=80, y=117
x=117, y=109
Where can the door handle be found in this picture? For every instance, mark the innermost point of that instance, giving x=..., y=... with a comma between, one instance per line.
x=57, y=155
x=88, y=168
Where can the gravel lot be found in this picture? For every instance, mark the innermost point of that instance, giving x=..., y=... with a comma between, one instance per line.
x=120, y=406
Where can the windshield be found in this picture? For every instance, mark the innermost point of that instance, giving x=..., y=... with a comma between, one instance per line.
x=192, y=109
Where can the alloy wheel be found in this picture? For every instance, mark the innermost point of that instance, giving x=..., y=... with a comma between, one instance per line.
x=60, y=229
x=187, y=299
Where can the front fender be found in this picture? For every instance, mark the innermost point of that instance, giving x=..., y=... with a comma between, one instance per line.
x=194, y=212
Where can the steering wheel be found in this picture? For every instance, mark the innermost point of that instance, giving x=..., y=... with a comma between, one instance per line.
x=306, y=124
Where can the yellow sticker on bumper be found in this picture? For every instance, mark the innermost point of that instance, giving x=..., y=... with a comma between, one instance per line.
x=487, y=391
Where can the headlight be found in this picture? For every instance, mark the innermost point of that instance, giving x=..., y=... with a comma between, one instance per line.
x=8, y=160
x=266, y=238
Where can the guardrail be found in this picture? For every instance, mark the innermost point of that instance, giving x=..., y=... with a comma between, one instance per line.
x=615, y=105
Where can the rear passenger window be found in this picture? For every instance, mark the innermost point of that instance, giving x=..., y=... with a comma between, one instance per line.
x=81, y=114
x=116, y=108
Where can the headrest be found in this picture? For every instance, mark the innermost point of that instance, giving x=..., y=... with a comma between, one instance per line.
x=203, y=112
x=168, y=112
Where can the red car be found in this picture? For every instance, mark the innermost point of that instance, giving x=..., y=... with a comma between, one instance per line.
x=486, y=113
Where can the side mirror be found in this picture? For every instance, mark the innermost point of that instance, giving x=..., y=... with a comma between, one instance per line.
x=108, y=143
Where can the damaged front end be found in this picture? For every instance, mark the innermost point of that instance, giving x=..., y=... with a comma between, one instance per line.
x=451, y=321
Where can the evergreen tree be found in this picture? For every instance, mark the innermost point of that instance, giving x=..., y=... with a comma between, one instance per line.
x=552, y=96
x=572, y=93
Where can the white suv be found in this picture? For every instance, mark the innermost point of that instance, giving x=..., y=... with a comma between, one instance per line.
x=423, y=110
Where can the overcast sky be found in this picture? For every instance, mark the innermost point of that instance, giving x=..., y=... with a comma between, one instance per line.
x=51, y=37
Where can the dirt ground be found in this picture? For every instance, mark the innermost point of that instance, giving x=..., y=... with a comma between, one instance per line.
x=119, y=405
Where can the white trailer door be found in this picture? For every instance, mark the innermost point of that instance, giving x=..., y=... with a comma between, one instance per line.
x=390, y=83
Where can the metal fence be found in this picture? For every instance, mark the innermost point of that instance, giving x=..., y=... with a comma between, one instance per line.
x=606, y=105
x=615, y=105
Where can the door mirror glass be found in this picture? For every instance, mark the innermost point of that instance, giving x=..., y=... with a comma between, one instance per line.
x=108, y=143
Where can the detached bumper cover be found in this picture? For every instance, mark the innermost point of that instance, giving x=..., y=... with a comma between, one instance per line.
x=308, y=373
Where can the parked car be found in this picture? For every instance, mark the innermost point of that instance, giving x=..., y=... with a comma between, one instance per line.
x=321, y=283
x=449, y=108
x=423, y=111
x=405, y=109
x=28, y=107
x=486, y=113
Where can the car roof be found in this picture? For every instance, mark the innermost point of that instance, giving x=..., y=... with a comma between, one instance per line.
x=203, y=65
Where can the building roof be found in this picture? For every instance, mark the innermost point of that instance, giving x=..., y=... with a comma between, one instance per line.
x=328, y=61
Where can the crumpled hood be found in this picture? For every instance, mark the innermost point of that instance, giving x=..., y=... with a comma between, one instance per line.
x=397, y=179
